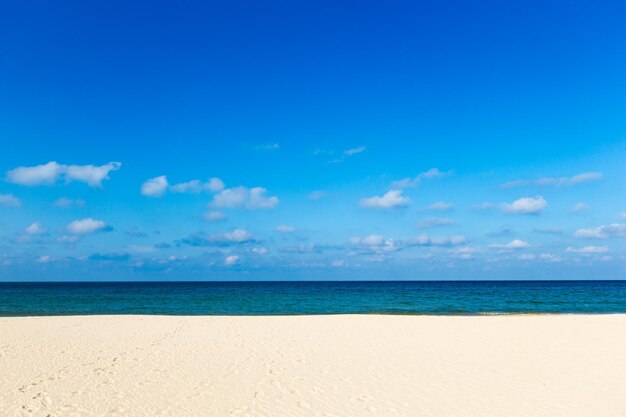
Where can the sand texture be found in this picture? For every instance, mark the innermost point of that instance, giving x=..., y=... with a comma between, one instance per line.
x=355, y=365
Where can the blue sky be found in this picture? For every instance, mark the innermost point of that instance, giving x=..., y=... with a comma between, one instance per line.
x=312, y=140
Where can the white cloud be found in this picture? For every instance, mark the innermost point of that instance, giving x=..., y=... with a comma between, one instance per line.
x=579, y=207
x=195, y=186
x=214, y=216
x=526, y=205
x=50, y=173
x=260, y=250
x=231, y=260
x=285, y=229
x=434, y=222
x=414, y=182
x=526, y=257
x=583, y=178
x=515, y=244
x=249, y=198
x=588, y=250
x=464, y=253
x=346, y=154
x=339, y=263
x=155, y=187
x=376, y=244
x=87, y=226
x=68, y=239
x=391, y=199
x=550, y=257
x=90, y=174
x=46, y=174
x=9, y=200
x=36, y=229
x=66, y=202
x=355, y=151
x=602, y=232
x=441, y=206
x=425, y=240
x=316, y=195
x=238, y=236
x=158, y=186
x=44, y=259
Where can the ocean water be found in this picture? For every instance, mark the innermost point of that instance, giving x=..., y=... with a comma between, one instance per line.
x=284, y=298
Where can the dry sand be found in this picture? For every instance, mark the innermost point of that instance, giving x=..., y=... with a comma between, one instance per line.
x=313, y=366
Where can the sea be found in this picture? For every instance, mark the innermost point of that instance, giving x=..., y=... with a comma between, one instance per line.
x=319, y=297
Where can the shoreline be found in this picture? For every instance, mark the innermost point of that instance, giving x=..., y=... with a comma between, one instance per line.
x=480, y=314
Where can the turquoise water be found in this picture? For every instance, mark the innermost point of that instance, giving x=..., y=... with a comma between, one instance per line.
x=276, y=298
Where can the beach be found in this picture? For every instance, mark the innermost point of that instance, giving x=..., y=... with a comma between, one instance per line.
x=326, y=365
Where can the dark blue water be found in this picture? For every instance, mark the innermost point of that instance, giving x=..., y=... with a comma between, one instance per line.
x=251, y=298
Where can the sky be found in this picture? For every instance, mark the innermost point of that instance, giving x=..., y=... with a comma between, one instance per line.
x=312, y=140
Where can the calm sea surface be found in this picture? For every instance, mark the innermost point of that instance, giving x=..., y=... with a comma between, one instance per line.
x=252, y=298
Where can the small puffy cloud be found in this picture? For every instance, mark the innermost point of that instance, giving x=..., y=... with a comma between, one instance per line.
x=550, y=257
x=9, y=200
x=434, y=222
x=583, y=178
x=579, y=207
x=158, y=186
x=214, y=216
x=392, y=199
x=375, y=244
x=68, y=239
x=316, y=195
x=602, y=232
x=64, y=202
x=464, y=253
x=526, y=257
x=46, y=174
x=155, y=187
x=90, y=174
x=262, y=250
x=243, y=197
x=35, y=229
x=44, y=259
x=441, y=206
x=425, y=240
x=414, y=181
x=235, y=237
x=238, y=236
x=588, y=250
x=231, y=260
x=285, y=229
x=87, y=226
x=526, y=205
x=50, y=173
x=196, y=186
x=339, y=263
x=515, y=244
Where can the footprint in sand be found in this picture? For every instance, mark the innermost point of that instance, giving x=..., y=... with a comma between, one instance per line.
x=239, y=410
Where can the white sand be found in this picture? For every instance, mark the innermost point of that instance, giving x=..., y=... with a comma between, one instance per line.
x=313, y=366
